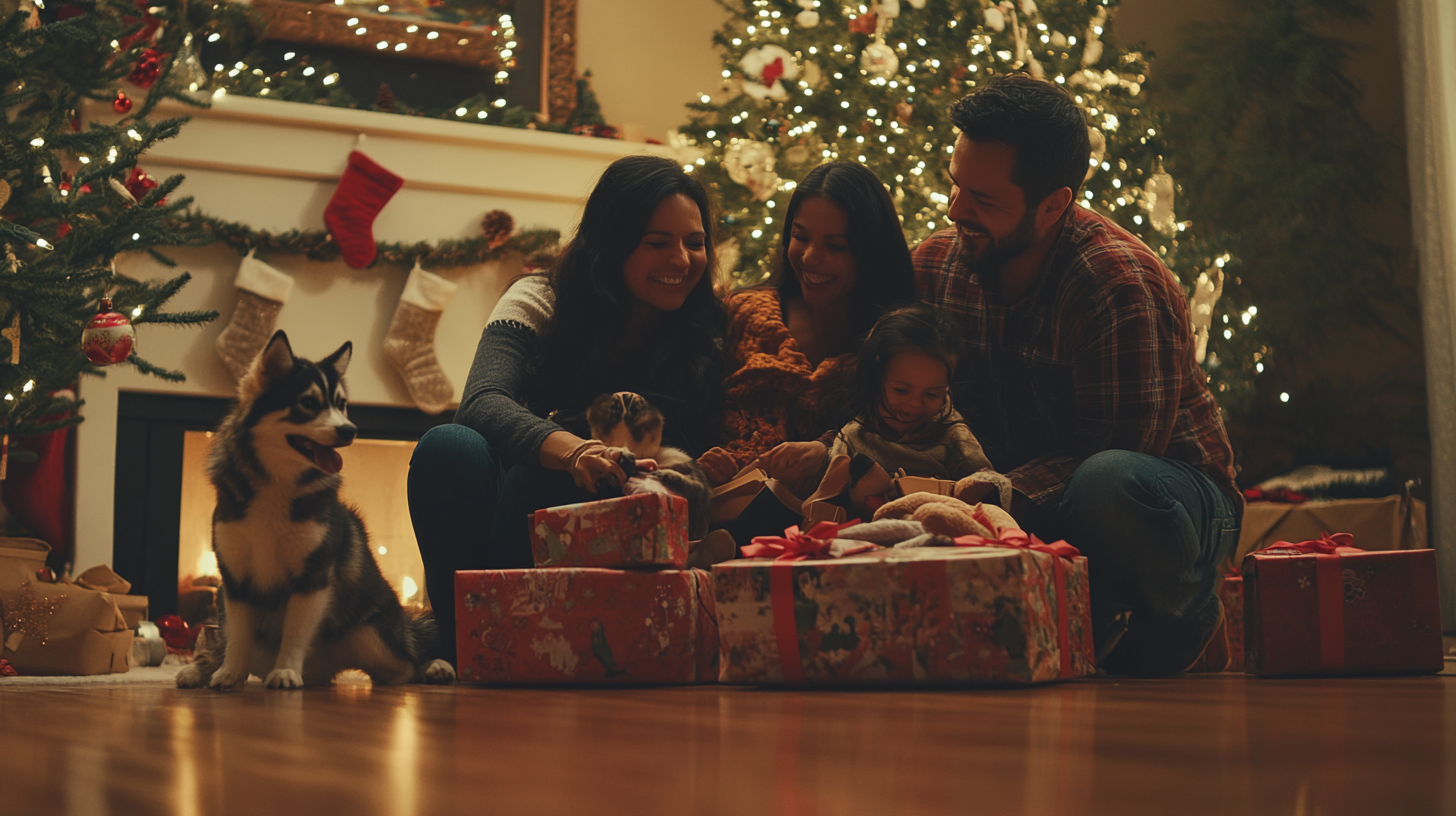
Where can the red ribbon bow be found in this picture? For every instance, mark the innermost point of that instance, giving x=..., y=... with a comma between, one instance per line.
x=772, y=72
x=1326, y=544
x=794, y=545
x=1017, y=539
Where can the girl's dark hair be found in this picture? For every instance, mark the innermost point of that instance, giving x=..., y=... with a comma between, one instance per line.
x=578, y=359
x=919, y=327
x=1040, y=120
x=884, y=277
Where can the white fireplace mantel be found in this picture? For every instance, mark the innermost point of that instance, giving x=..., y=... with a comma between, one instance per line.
x=273, y=166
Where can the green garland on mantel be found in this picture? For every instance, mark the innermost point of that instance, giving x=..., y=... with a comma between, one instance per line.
x=536, y=245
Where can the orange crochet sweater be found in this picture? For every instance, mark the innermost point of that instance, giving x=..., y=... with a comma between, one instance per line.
x=774, y=395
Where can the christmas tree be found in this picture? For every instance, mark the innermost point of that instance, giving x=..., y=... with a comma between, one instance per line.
x=808, y=81
x=76, y=198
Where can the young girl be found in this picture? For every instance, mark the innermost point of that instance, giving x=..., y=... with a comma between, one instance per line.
x=900, y=390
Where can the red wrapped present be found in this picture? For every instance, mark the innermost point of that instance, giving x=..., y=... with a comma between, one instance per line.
x=989, y=612
x=1326, y=607
x=640, y=530
x=594, y=626
x=1226, y=652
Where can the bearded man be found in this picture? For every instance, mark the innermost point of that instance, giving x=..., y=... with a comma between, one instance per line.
x=1079, y=377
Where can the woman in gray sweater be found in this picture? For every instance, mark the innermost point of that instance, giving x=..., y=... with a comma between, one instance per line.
x=629, y=306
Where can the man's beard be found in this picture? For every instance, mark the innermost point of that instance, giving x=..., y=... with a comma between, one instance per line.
x=987, y=266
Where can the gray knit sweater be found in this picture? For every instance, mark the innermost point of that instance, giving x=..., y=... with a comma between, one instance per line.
x=491, y=404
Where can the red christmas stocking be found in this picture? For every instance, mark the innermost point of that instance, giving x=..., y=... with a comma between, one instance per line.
x=362, y=193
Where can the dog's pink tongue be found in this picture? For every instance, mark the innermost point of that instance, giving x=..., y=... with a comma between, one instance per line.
x=327, y=459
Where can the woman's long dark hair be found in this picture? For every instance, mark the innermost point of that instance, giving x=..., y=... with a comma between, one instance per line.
x=681, y=369
x=884, y=277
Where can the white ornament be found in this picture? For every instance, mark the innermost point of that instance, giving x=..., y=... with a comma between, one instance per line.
x=879, y=60
x=1206, y=292
x=807, y=4
x=751, y=164
x=1035, y=67
x=1028, y=6
x=1099, y=149
x=1059, y=40
x=1092, y=53
x=684, y=149
x=889, y=8
x=813, y=77
x=807, y=19
x=1158, y=199
x=917, y=4
x=764, y=68
x=995, y=20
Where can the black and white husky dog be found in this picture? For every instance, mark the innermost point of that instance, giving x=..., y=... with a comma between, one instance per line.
x=303, y=598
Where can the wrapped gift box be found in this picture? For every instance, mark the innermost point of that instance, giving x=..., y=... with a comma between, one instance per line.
x=590, y=626
x=1391, y=523
x=1348, y=612
x=931, y=616
x=924, y=484
x=1227, y=654
x=640, y=530
x=56, y=629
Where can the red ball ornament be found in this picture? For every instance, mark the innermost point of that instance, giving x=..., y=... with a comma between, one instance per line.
x=108, y=337
x=122, y=102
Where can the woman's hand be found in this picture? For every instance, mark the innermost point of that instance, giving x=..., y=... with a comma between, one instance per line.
x=795, y=462
x=719, y=465
x=592, y=461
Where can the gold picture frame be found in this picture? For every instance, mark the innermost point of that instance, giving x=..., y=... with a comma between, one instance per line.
x=347, y=27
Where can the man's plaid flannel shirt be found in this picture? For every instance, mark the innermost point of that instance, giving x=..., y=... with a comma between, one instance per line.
x=1098, y=355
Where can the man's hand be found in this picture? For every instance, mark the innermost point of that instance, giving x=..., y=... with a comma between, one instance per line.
x=795, y=462
x=719, y=466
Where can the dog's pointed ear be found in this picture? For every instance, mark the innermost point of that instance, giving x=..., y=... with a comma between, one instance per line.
x=276, y=361
x=339, y=360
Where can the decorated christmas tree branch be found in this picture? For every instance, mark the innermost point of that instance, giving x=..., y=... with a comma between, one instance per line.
x=318, y=245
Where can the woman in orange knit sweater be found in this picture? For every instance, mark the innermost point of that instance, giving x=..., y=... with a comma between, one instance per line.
x=790, y=340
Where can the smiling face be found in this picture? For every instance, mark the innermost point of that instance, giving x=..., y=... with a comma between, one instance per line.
x=819, y=252
x=670, y=257
x=915, y=386
x=990, y=211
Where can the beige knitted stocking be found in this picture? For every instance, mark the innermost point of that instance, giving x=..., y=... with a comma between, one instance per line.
x=262, y=291
x=410, y=343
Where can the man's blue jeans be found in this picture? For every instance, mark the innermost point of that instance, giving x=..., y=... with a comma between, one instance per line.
x=1154, y=532
x=469, y=511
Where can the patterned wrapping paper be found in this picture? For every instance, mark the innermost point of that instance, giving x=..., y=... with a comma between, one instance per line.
x=640, y=530
x=1231, y=594
x=925, y=616
x=587, y=626
x=1351, y=612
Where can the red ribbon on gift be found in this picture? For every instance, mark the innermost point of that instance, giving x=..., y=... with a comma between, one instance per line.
x=1016, y=539
x=1329, y=575
x=792, y=546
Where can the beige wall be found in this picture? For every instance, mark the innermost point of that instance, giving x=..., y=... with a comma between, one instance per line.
x=649, y=58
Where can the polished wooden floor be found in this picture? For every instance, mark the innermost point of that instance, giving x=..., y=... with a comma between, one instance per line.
x=1193, y=745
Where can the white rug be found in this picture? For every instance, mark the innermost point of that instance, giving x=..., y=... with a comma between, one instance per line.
x=142, y=674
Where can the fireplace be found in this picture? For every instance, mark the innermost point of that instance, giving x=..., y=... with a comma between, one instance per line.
x=163, y=509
